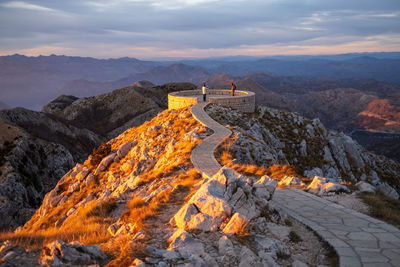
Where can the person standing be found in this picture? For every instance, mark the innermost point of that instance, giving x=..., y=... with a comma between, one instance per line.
x=233, y=89
x=204, y=89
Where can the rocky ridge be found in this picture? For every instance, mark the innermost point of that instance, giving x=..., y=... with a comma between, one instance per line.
x=51, y=142
x=270, y=136
x=145, y=181
x=110, y=114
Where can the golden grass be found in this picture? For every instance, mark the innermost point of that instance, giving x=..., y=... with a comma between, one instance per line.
x=89, y=224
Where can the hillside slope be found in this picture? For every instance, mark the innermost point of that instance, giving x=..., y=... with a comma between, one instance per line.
x=140, y=200
x=271, y=136
x=111, y=113
x=51, y=142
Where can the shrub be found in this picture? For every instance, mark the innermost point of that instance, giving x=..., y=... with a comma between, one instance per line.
x=99, y=153
x=294, y=237
x=282, y=255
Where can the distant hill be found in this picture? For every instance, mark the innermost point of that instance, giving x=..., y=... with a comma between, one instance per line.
x=349, y=105
x=111, y=113
x=157, y=75
x=32, y=82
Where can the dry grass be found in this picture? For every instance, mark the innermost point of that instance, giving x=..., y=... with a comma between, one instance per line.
x=93, y=221
x=96, y=216
x=243, y=229
x=382, y=207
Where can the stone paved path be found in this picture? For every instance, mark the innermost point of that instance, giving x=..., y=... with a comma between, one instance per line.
x=358, y=239
x=203, y=154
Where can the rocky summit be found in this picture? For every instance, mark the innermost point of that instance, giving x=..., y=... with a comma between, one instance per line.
x=137, y=200
x=38, y=148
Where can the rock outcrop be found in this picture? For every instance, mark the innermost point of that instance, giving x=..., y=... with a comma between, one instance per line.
x=227, y=204
x=29, y=168
x=271, y=137
x=59, y=253
x=126, y=199
x=111, y=113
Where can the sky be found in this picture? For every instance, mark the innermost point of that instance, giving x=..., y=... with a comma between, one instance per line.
x=198, y=28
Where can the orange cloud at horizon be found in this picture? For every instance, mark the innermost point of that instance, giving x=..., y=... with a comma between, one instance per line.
x=371, y=44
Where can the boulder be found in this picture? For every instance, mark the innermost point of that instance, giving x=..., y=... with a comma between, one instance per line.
x=388, y=190
x=265, y=187
x=236, y=225
x=124, y=149
x=224, y=245
x=323, y=186
x=183, y=242
x=366, y=187
x=290, y=181
x=105, y=163
x=314, y=172
x=75, y=253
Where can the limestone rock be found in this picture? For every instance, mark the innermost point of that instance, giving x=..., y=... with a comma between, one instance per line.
x=290, y=181
x=183, y=242
x=75, y=253
x=105, y=162
x=269, y=246
x=388, y=190
x=236, y=225
x=124, y=149
x=365, y=187
x=224, y=245
x=323, y=186
x=265, y=187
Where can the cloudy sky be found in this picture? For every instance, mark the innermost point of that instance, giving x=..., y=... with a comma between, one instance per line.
x=197, y=28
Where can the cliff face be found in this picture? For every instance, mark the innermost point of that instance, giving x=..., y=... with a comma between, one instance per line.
x=29, y=168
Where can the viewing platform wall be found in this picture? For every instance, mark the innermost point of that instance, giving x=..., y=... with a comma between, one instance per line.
x=243, y=100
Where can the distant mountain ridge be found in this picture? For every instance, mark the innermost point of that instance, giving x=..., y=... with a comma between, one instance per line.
x=33, y=81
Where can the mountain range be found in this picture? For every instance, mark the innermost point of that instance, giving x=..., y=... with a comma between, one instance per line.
x=31, y=82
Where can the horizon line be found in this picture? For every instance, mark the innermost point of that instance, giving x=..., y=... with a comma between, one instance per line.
x=200, y=57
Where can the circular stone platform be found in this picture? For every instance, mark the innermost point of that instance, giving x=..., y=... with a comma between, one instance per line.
x=243, y=100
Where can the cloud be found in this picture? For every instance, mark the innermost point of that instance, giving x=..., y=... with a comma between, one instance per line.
x=24, y=5
x=153, y=27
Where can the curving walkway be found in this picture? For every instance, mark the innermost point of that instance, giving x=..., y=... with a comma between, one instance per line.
x=203, y=154
x=358, y=239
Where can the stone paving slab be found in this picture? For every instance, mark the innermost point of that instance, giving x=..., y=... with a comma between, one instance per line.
x=358, y=239
x=203, y=154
